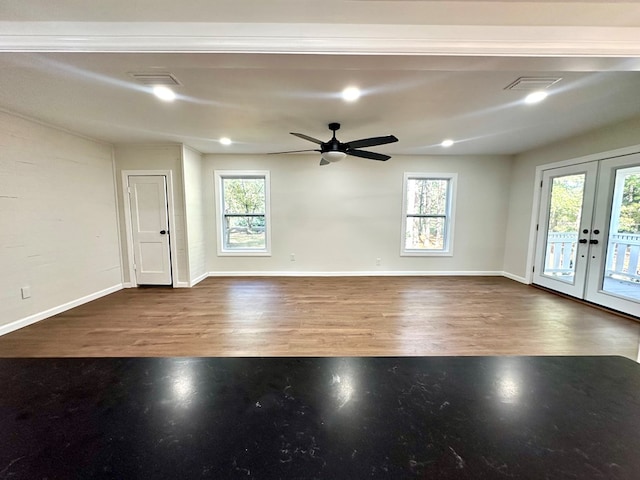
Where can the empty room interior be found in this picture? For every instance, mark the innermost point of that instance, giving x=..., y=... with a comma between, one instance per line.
x=319, y=180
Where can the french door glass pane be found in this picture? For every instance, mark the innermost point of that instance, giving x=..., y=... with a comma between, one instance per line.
x=622, y=270
x=565, y=211
x=425, y=233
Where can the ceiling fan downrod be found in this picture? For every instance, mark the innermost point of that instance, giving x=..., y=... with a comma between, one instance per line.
x=333, y=145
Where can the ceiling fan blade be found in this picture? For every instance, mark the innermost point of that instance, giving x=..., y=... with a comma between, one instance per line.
x=324, y=162
x=307, y=137
x=372, y=142
x=369, y=155
x=295, y=151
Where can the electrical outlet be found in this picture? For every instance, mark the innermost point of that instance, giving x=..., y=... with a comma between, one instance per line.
x=292, y=257
x=378, y=261
x=26, y=292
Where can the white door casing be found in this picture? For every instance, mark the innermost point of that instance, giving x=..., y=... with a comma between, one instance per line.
x=149, y=228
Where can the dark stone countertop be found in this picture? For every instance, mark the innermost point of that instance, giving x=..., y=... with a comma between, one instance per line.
x=325, y=418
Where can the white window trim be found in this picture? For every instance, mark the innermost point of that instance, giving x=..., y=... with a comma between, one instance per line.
x=451, y=208
x=218, y=176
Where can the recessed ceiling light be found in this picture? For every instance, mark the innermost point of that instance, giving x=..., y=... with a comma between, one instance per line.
x=164, y=93
x=447, y=143
x=535, y=97
x=351, y=94
x=225, y=141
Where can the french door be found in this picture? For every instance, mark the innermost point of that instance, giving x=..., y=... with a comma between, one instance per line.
x=588, y=242
x=614, y=278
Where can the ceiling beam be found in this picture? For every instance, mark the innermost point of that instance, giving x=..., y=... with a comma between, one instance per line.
x=469, y=40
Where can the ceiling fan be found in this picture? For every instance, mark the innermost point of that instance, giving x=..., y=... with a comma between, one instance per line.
x=334, y=150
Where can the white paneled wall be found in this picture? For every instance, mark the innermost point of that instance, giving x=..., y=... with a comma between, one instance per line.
x=58, y=215
x=195, y=216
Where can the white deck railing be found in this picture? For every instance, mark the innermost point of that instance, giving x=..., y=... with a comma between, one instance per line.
x=560, y=255
x=623, y=255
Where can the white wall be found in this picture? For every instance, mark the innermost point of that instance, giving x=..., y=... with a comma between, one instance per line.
x=194, y=214
x=522, y=181
x=58, y=216
x=342, y=217
x=155, y=157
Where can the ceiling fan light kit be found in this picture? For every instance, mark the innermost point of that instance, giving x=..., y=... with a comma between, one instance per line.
x=333, y=156
x=334, y=150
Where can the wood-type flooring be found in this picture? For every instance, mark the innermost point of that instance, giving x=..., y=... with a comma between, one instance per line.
x=330, y=316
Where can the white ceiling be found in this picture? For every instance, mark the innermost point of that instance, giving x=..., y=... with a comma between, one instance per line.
x=257, y=98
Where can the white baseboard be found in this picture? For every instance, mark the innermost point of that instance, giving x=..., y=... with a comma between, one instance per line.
x=197, y=280
x=128, y=285
x=31, y=319
x=517, y=278
x=182, y=285
x=357, y=274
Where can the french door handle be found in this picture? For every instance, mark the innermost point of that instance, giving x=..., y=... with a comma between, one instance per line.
x=582, y=240
x=593, y=242
x=162, y=232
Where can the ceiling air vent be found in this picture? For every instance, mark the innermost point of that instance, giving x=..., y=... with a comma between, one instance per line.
x=532, y=83
x=155, y=78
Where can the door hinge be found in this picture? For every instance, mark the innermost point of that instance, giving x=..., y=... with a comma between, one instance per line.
x=537, y=225
x=541, y=183
x=129, y=190
x=533, y=269
x=135, y=267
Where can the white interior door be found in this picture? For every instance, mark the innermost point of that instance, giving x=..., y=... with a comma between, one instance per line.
x=564, y=228
x=150, y=229
x=614, y=270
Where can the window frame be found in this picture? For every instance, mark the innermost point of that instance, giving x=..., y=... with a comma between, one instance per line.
x=449, y=215
x=219, y=176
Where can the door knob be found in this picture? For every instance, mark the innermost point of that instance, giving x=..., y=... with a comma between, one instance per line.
x=582, y=240
x=162, y=232
x=593, y=242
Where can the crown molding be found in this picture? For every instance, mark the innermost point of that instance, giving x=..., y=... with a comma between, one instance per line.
x=353, y=39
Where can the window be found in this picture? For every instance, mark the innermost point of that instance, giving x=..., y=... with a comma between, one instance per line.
x=427, y=220
x=242, y=202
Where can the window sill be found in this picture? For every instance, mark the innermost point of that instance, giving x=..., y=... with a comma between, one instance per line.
x=420, y=253
x=243, y=253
